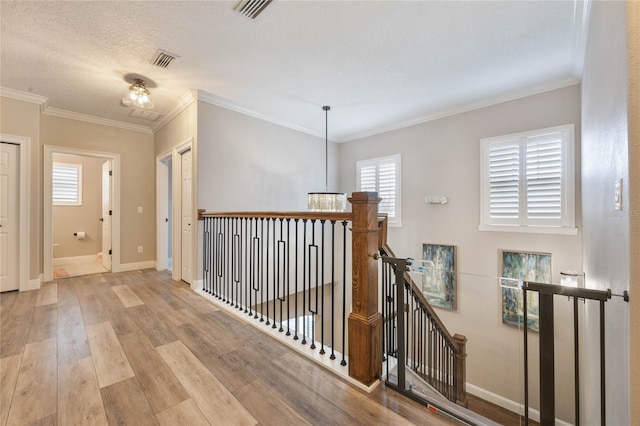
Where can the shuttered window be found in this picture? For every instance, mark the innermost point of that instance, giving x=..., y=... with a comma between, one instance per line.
x=382, y=175
x=528, y=180
x=66, y=184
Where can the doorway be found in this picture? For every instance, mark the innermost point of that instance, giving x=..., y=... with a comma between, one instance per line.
x=175, y=219
x=82, y=218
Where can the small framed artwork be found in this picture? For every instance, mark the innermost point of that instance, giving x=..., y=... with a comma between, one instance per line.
x=523, y=266
x=439, y=283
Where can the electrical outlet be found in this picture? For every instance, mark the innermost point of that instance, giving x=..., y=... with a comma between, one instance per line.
x=140, y=249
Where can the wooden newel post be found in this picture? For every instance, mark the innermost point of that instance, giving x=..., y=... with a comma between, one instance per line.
x=461, y=370
x=365, y=333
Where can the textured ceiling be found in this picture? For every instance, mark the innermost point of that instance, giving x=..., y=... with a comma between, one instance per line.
x=379, y=64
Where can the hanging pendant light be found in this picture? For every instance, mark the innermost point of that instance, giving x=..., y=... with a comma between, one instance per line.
x=326, y=201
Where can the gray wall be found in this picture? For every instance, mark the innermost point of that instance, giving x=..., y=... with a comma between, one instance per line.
x=250, y=164
x=606, y=231
x=443, y=157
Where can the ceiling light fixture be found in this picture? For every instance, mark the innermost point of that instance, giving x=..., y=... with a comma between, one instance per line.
x=326, y=201
x=139, y=95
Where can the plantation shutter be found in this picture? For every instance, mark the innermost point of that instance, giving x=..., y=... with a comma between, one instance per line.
x=504, y=178
x=544, y=177
x=387, y=187
x=65, y=184
x=382, y=175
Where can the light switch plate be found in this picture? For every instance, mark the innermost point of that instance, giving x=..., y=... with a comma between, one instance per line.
x=618, y=195
x=140, y=209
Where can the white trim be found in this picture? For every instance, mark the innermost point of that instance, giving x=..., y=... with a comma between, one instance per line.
x=176, y=198
x=135, y=266
x=508, y=404
x=56, y=112
x=162, y=207
x=24, y=206
x=23, y=96
x=75, y=259
x=49, y=150
x=211, y=99
x=32, y=285
x=571, y=81
x=581, y=16
x=181, y=104
x=560, y=230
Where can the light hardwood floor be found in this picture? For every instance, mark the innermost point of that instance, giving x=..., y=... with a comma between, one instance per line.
x=137, y=348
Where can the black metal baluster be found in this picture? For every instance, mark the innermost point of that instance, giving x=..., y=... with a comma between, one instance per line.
x=288, y=274
x=322, y=223
x=313, y=246
x=344, y=289
x=333, y=286
x=295, y=305
x=261, y=269
x=304, y=281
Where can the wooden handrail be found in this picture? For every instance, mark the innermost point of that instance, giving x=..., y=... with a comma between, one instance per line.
x=337, y=216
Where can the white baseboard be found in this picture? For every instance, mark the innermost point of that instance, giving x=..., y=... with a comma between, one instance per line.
x=508, y=404
x=126, y=267
x=75, y=259
x=33, y=284
x=197, y=285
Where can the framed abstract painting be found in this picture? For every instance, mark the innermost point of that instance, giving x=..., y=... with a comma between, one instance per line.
x=523, y=266
x=439, y=283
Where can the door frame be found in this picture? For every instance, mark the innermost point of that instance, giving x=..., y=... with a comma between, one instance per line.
x=47, y=203
x=24, y=213
x=161, y=194
x=162, y=209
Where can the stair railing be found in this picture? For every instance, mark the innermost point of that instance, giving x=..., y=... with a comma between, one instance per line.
x=415, y=338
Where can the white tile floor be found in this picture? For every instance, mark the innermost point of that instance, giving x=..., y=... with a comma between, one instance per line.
x=76, y=266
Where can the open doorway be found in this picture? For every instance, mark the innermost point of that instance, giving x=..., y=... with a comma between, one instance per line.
x=81, y=206
x=165, y=212
x=81, y=203
x=175, y=220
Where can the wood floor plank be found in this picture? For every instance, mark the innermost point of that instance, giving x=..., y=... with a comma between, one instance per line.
x=151, y=325
x=79, y=398
x=14, y=329
x=36, y=387
x=266, y=406
x=109, y=360
x=73, y=344
x=118, y=315
x=184, y=413
x=125, y=404
x=232, y=375
x=200, y=383
x=159, y=384
x=9, y=368
x=44, y=324
x=47, y=421
x=92, y=310
x=126, y=296
x=47, y=295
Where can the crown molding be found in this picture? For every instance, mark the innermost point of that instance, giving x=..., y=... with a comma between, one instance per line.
x=56, y=112
x=211, y=99
x=24, y=96
x=571, y=81
x=180, y=105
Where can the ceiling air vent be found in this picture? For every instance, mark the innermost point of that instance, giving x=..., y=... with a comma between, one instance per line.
x=144, y=114
x=162, y=59
x=252, y=8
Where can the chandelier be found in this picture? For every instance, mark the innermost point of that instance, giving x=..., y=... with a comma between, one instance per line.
x=139, y=95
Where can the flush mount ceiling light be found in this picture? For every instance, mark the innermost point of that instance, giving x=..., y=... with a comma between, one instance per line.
x=326, y=201
x=139, y=95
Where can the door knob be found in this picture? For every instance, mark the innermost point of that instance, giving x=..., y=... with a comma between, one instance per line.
x=101, y=219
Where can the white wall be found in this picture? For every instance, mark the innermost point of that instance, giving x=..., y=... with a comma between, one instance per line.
x=605, y=158
x=443, y=157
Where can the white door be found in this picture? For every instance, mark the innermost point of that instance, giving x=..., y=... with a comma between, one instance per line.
x=186, y=214
x=106, y=214
x=8, y=217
